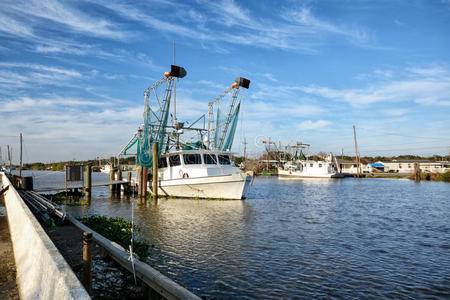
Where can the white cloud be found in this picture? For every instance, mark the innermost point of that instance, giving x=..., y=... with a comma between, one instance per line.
x=430, y=71
x=26, y=75
x=33, y=12
x=395, y=112
x=433, y=90
x=12, y=27
x=311, y=125
x=59, y=127
x=34, y=105
x=299, y=30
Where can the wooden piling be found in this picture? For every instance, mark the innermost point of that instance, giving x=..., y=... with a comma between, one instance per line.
x=416, y=171
x=88, y=187
x=155, y=171
x=139, y=180
x=111, y=177
x=144, y=181
x=118, y=177
x=127, y=186
x=87, y=261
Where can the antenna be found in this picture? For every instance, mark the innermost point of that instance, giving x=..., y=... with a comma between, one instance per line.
x=174, y=90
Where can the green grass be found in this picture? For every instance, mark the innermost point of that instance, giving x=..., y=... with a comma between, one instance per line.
x=117, y=230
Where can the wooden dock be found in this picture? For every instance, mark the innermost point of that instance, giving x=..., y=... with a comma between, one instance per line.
x=79, y=186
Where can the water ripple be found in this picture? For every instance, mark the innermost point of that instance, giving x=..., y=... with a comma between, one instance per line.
x=330, y=239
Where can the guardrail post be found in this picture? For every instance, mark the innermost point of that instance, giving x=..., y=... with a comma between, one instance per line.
x=87, y=261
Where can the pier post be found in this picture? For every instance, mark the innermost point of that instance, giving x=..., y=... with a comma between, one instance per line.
x=416, y=171
x=144, y=181
x=111, y=177
x=155, y=171
x=119, y=177
x=127, y=186
x=88, y=182
x=139, y=180
x=87, y=261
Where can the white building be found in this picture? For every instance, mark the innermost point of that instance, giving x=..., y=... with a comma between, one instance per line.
x=407, y=166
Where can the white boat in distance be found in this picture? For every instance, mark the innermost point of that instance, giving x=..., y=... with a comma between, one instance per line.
x=307, y=168
x=106, y=169
x=200, y=174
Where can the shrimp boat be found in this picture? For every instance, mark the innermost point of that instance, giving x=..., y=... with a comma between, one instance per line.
x=301, y=166
x=106, y=169
x=192, y=161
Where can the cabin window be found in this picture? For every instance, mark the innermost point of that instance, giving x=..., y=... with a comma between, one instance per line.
x=174, y=160
x=192, y=159
x=210, y=159
x=311, y=165
x=224, y=160
x=320, y=165
x=162, y=163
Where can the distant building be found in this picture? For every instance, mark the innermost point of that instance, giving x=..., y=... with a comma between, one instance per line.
x=407, y=166
x=349, y=167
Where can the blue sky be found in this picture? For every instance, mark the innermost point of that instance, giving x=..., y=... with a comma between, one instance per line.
x=72, y=73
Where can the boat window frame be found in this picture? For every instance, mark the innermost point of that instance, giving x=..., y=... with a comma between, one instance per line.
x=213, y=156
x=171, y=161
x=228, y=159
x=185, y=162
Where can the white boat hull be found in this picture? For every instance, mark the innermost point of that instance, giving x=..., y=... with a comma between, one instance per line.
x=213, y=187
x=299, y=174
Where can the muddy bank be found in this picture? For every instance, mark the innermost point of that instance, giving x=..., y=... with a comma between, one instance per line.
x=109, y=279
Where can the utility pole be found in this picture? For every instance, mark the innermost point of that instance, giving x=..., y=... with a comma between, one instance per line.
x=20, y=166
x=356, y=152
x=9, y=157
x=245, y=149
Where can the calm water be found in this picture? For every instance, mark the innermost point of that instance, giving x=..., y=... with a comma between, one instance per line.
x=348, y=238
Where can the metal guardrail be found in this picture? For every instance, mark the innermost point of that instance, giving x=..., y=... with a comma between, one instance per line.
x=163, y=285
